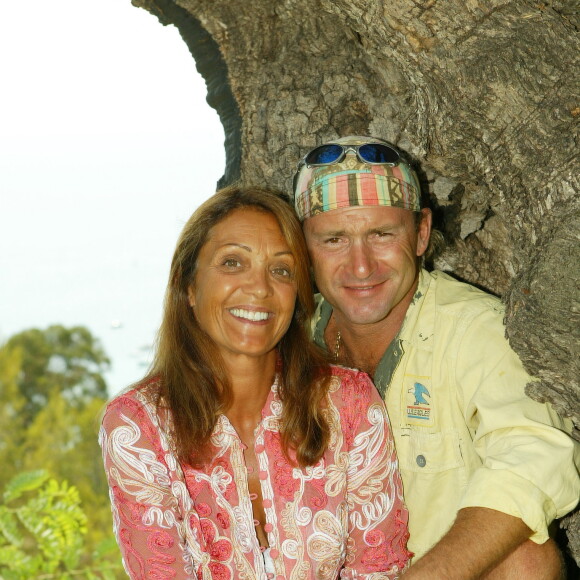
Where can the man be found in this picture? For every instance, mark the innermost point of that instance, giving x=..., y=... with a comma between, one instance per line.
x=485, y=469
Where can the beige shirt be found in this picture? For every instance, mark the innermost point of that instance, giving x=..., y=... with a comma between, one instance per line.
x=465, y=432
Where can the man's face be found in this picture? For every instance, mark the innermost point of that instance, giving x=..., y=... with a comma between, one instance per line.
x=365, y=259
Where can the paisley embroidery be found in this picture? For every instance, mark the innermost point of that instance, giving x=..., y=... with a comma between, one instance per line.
x=284, y=484
x=327, y=544
x=356, y=400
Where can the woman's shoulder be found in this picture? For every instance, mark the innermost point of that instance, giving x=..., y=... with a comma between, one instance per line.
x=135, y=420
x=354, y=396
x=351, y=377
x=350, y=385
x=135, y=400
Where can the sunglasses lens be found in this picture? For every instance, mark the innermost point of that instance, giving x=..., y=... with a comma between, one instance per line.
x=377, y=153
x=324, y=155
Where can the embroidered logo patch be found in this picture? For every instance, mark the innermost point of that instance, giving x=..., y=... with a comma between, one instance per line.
x=420, y=408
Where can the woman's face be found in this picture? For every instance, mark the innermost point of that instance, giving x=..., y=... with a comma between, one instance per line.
x=244, y=291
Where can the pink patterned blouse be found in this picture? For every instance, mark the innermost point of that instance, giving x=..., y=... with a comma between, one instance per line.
x=341, y=518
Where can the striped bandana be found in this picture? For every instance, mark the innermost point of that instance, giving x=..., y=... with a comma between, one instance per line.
x=355, y=183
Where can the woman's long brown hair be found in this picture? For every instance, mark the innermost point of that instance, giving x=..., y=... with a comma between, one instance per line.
x=192, y=378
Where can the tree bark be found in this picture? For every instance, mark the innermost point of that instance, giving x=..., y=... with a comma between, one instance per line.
x=482, y=93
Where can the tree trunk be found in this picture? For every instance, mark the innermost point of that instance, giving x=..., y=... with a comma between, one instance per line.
x=483, y=93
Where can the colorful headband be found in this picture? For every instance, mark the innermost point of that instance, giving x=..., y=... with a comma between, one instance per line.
x=351, y=181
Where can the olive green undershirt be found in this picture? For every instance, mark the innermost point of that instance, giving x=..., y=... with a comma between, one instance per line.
x=389, y=361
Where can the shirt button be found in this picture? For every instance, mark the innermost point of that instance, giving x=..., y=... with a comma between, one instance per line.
x=274, y=553
x=263, y=475
x=267, y=503
x=421, y=461
x=268, y=528
x=259, y=448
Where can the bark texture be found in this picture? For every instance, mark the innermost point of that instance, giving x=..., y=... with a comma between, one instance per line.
x=483, y=94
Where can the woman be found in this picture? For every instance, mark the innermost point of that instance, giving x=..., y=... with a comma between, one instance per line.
x=243, y=454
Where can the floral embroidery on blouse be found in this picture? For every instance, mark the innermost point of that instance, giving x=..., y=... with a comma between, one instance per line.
x=341, y=518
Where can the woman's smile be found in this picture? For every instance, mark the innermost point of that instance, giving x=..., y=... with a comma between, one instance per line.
x=251, y=315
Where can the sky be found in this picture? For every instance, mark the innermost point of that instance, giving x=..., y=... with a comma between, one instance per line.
x=107, y=146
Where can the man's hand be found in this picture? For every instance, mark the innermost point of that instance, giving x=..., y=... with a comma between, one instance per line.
x=479, y=541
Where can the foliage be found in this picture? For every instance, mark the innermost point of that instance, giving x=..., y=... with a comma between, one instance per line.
x=41, y=531
x=11, y=417
x=58, y=433
x=68, y=360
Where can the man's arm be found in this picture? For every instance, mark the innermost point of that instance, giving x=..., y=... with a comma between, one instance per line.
x=478, y=541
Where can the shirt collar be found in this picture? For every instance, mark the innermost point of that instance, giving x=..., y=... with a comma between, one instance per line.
x=415, y=308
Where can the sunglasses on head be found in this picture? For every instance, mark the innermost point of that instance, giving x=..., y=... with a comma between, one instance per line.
x=371, y=153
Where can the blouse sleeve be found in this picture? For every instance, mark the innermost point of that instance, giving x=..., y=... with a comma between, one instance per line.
x=378, y=533
x=145, y=495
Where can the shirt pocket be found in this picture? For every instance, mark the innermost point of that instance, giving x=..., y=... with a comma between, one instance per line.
x=425, y=452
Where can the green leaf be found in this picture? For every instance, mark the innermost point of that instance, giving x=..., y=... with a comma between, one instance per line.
x=31, y=518
x=10, y=555
x=9, y=526
x=27, y=481
x=16, y=565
